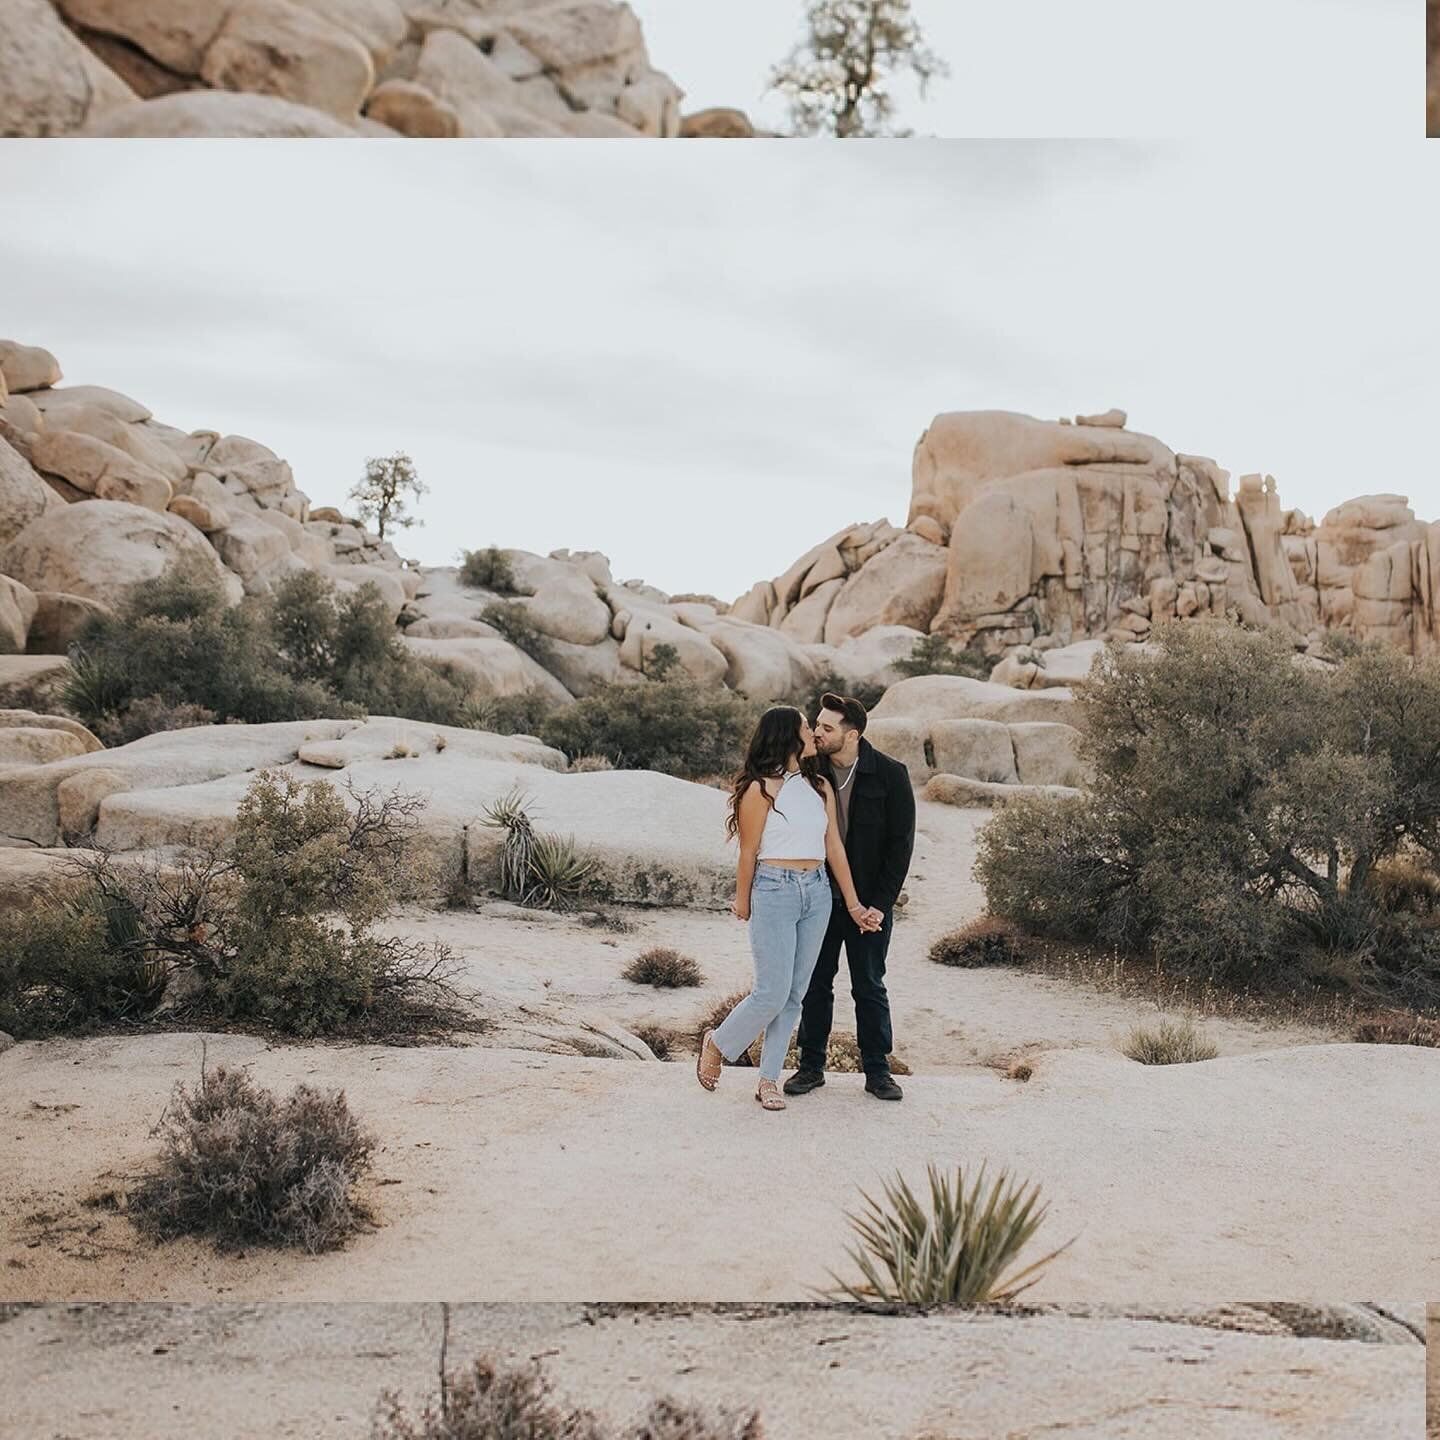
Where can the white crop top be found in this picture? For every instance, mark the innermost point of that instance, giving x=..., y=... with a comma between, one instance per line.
x=798, y=833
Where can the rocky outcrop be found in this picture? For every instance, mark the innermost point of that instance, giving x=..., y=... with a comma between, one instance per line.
x=1022, y=531
x=280, y=68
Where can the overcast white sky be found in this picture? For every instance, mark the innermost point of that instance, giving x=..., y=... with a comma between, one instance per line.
x=704, y=359
x=1138, y=68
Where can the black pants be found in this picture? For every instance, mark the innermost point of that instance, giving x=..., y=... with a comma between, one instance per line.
x=865, y=953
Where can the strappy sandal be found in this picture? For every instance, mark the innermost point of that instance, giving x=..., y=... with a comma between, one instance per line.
x=768, y=1095
x=708, y=1078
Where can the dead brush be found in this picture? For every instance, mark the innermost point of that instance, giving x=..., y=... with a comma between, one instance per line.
x=664, y=968
x=1171, y=1042
x=242, y=1166
x=1397, y=1027
x=982, y=942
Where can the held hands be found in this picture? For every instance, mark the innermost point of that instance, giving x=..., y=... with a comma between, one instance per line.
x=867, y=917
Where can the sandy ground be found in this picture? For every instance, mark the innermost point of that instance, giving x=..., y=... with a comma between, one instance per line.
x=1286, y=1168
x=163, y=1373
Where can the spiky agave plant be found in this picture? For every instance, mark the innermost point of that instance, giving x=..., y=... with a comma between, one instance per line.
x=957, y=1252
x=517, y=852
x=558, y=872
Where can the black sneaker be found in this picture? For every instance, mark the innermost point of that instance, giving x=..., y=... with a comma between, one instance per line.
x=883, y=1087
x=803, y=1081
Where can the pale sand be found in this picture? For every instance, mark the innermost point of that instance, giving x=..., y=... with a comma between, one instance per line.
x=161, y=1373
x=1287, y=1168
x=1432, y=1373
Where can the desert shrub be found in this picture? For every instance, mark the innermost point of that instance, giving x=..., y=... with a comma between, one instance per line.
x=985, y=941
x=957, y=1250
x=664, y=968
x=676, y=725
x=486, y=1402
x=177, y=653
x=1170, y=1042
x=510, y=814
x=241, y=1166
x=512, y=620
x=660, y=1038
x=522, y=714
x=1239, y=810
x=1405, y=885
x=314, y=877
x=842, y=1055
x=1396, y=1027
x=487, y=569
x=934, y=654
x=71, y=959
x=832, y=682
x=584, y=764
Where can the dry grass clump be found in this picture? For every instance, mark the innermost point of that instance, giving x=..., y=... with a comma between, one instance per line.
x=1171, y=1042
x=583, y=763
x=986, y=941
x=665, y=968
x=241, y=1166
x=958, y=1250
x=1403, y=886
x=661, y=1039
x=488, y=1403
x=842, y=1056
x=1396, y=1027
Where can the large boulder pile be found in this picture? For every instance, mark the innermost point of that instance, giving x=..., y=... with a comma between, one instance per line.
x=258, y=68
x=1024, y=532
x=97, y=494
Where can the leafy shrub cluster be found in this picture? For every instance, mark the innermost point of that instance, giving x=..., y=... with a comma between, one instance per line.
x=487, y=569
x=241, y=1166
x=175, y=654
x=833, y=682
x=486, y=1402
x=276, y=925
x=1245, y=819
x=935, y=655
x=675, y=725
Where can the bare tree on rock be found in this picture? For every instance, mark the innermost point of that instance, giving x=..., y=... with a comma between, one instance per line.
x=837, y=78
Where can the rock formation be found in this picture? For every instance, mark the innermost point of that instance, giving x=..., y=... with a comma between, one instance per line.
x=1024, y=531
x=386, y=68
x=97, y=494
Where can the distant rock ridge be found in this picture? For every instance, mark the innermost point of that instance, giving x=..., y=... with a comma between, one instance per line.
x=1023, y=531
x=330, y=68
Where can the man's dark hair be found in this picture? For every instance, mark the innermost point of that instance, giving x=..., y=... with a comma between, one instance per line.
x=850, y=710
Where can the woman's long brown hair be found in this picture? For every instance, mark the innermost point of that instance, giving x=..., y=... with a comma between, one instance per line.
x=775, y=739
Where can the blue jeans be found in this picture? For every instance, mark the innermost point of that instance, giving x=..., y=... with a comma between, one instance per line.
x=789, y=913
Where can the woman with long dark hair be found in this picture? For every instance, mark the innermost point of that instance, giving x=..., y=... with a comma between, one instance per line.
x=783, y=813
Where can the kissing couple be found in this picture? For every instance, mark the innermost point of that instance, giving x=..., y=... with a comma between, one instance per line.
x=808, y=800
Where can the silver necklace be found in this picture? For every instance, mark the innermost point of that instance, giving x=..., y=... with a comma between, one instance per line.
x=854, y=765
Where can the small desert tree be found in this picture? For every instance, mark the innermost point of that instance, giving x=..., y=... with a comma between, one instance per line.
x=837, y=78
x=384, y=493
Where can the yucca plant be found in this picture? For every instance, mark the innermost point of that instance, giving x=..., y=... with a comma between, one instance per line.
x=1170, y=1042
x=509, y=813
x=956, y=1252
x=558, y=872
x=96, y=687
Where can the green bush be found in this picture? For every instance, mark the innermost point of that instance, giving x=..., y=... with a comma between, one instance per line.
x=240, y=1166
x=513, y=621
x=176, y=653
x=955, y=1251
x=676, y=725
x=72, y=959
x=664, y=968
x=314, y=877
x=1171, y=1042
x=487, y=569
x=935, y=655
x=522, y=714
x=1239, y=810
x=831, y=682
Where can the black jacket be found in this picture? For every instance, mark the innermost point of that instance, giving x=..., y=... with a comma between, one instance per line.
x=882, y=826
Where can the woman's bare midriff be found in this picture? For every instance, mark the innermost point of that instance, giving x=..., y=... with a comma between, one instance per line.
x=794, y=864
